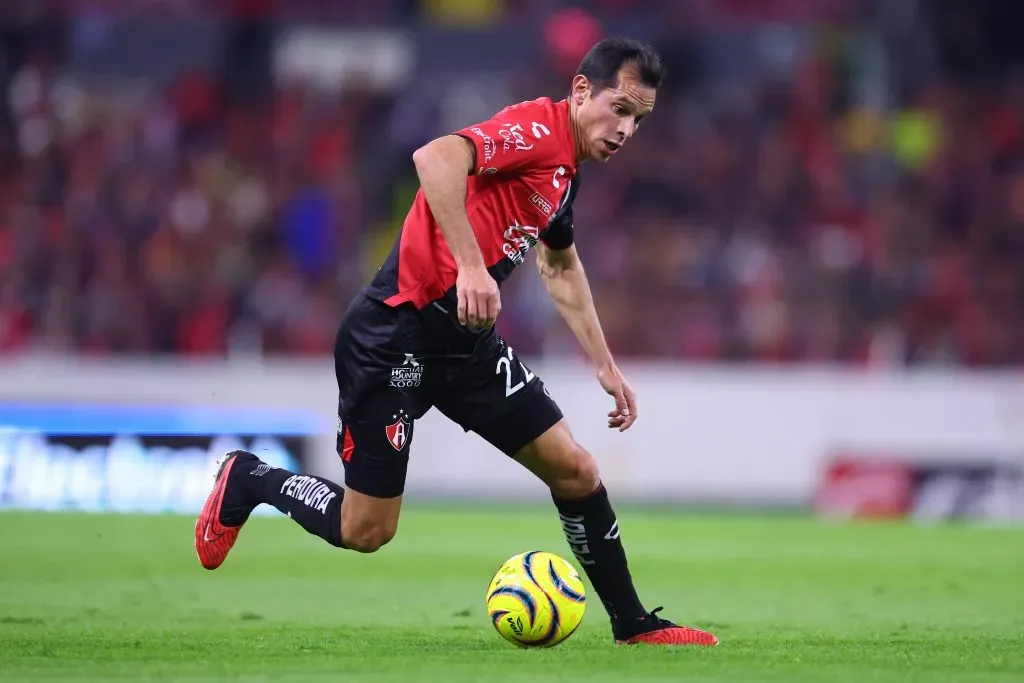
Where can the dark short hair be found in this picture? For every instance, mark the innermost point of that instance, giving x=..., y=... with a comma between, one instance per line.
x=602, y=63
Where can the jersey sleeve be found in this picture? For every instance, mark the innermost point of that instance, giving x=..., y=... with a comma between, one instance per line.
x=510, y=143
x=559, y=234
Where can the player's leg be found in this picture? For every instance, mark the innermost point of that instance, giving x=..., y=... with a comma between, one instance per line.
x=585, y=512
x=373, y=442
x=374, y=447
x=362, y=516
x=592, y=531
x=243, y=482
x=504, y=402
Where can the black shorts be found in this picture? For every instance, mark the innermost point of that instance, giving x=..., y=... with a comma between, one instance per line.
x=395, y=363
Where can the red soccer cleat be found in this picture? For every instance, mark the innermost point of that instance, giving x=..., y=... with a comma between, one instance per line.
x=653, y=630
x=213, y=539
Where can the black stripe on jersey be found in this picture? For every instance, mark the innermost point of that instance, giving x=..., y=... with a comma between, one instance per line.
x=559, y=233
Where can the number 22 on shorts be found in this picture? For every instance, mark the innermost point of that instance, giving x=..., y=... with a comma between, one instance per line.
x=506, y=362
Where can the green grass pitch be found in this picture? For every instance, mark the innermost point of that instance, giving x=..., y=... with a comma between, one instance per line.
x=123, y=598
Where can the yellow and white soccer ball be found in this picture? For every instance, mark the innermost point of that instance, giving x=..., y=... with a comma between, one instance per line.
x=536, y=599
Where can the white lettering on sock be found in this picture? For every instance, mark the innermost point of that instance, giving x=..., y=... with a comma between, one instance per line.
x=310, y=491
x=576, y=535
x=322, y=505
x=288, y=482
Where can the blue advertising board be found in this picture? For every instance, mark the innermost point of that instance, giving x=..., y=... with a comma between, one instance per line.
x=117, y=458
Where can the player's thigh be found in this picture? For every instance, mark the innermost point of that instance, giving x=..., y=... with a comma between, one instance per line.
x=378, y=402
x=373, y=443
x=507, y=404
x=496, y=395
x=369, y=350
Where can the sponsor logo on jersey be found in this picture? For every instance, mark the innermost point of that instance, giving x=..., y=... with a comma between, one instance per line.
x=513, y=137
x=541, y=203
x=489, y=147
x=519, y=239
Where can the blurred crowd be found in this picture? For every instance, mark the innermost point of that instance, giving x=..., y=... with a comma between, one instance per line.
x=796, y=219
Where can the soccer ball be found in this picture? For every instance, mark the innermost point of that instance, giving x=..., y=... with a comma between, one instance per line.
x=536, y=599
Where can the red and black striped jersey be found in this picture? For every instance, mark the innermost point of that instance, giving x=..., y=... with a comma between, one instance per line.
x=521, y=192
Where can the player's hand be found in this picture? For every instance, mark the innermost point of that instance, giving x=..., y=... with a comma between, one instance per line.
x=479, y=300
x=625, y=413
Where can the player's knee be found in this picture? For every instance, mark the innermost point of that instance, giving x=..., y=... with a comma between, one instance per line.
x=368, y=543
x=579, y=476
x=367, y=538
x=368, y=523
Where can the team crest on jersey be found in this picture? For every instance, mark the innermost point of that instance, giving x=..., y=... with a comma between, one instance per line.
x=407, y=375
x=398, y=432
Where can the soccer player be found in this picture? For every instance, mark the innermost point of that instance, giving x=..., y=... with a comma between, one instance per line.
x=421, y=335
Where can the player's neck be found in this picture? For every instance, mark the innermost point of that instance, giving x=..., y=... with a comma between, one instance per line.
x=579, y=143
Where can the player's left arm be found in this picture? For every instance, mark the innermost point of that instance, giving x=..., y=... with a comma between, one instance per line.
x=566, y=281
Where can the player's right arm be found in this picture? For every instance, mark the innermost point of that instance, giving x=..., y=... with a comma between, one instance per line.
x=566, y=282
x=443, y=166
x=516, y=140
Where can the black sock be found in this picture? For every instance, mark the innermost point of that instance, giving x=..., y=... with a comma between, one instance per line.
x=313, y=502
x=593, y=534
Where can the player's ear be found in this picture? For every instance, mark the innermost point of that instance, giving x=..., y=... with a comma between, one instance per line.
x=581, y=87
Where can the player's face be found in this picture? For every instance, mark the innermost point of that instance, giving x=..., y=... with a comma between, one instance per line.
x=610, y=117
